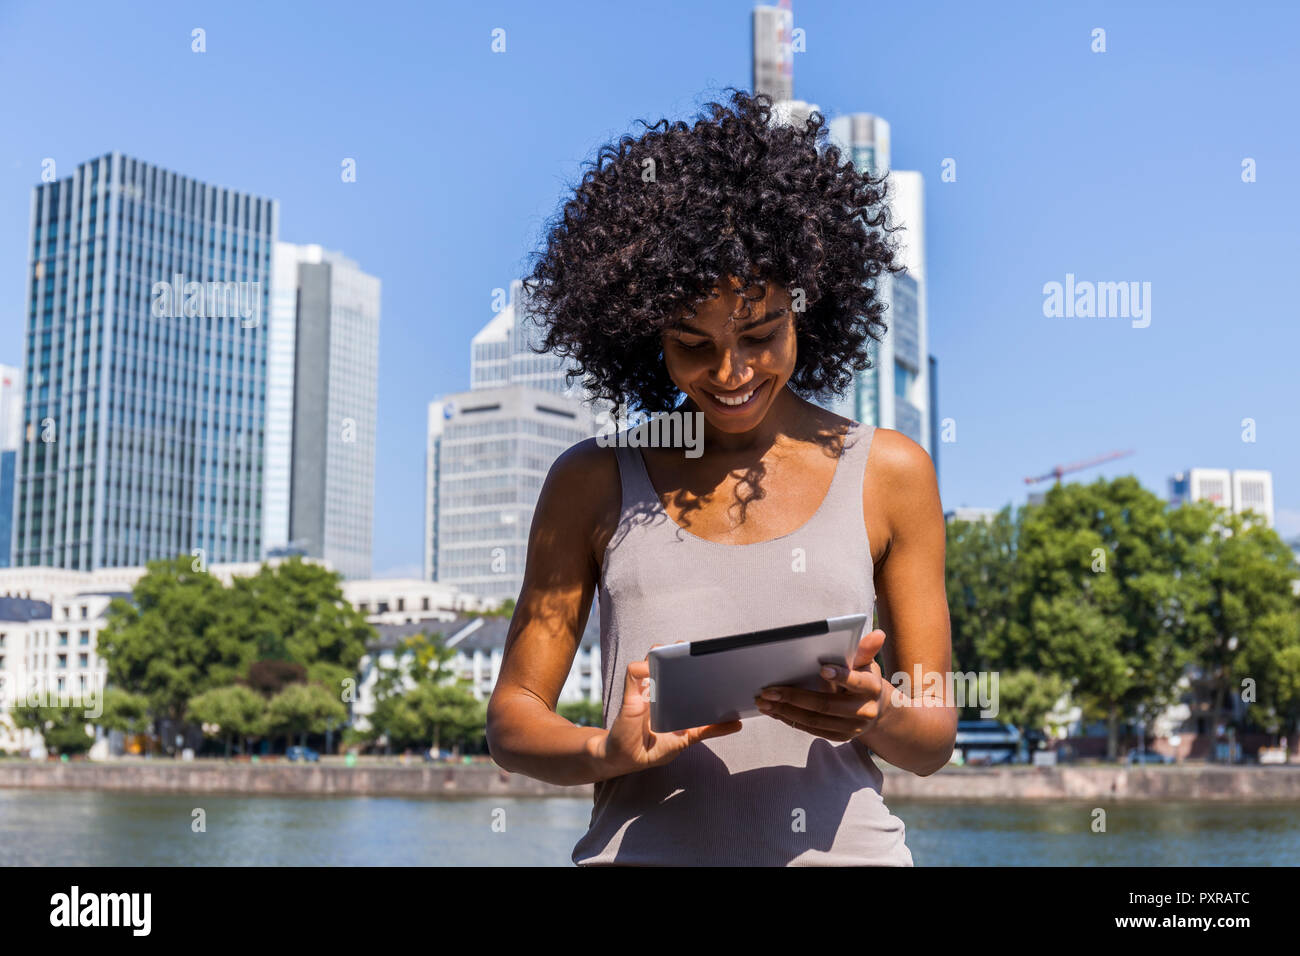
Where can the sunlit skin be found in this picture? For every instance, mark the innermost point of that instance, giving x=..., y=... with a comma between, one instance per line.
x=768, y=455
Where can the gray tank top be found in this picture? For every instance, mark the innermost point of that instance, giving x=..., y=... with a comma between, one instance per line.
x=768, y=795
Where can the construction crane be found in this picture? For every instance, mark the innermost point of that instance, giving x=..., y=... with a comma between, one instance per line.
x=1060, y=470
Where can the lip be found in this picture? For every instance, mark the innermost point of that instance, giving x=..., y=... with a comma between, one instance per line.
x=754, y=399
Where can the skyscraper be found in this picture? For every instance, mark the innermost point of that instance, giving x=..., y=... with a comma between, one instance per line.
x=11, y=430
x=323, y=394
x=895, y=392
x=502, y=352
x=489, y=450
x=773, y=55
x=145, y=369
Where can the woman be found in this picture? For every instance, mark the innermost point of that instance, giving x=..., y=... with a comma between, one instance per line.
x=731, y=266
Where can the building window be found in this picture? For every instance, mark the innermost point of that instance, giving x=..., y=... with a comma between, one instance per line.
x=82, y=660
x=63, y=638
x=383, y=607
x=63, y=661
x=85, y=637
x=401, y=604
x=425, y=607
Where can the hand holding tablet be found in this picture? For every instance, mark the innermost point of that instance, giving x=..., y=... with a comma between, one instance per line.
x=630, y=745
x=705, y=683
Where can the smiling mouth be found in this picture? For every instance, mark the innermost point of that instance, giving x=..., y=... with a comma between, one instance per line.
x=738, y=402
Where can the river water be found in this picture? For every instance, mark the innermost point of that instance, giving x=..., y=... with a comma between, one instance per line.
x=70, y=828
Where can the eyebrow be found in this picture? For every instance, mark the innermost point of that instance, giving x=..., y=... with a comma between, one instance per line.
x=687, y=327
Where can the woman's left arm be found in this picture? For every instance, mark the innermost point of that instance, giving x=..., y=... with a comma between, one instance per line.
x=912, y=724
x=915, y=730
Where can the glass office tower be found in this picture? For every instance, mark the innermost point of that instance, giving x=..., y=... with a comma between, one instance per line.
x=145, y=369
x=335, y=344
x=895, y=392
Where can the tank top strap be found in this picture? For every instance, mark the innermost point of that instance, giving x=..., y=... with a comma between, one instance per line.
x=638, y=492
x=844, y=498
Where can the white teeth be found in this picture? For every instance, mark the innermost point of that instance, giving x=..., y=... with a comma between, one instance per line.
x=741, y=400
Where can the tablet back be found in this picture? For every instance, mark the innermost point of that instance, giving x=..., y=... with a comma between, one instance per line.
x=708, y=682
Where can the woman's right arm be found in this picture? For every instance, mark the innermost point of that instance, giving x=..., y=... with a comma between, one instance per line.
x=575, y=515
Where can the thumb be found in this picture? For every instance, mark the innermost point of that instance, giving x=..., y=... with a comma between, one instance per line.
x=637, y=671
x=868, y=648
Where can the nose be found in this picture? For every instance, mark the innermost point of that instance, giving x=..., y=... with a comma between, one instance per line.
x=730, y=369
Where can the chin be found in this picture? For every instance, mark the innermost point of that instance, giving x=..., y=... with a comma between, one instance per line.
x=739, y=422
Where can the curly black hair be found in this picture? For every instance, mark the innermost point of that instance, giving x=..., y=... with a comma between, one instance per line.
x=659, y=220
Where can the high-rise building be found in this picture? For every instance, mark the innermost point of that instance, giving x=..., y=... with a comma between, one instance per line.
x=896, y=391
x=1238, y=491
x=322, y=396
x=505, y=366
x=11, y=407
x=11, y=430
x=489, y=451
x=144, y=385
x=503, y=352
x=773, y=52
x=936, y=434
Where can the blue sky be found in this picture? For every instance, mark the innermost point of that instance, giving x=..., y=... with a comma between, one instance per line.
x=1115, y=166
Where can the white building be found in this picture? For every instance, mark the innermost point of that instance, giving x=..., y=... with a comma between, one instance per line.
x=1238, y=491
x=410, y=600
x=50, y=619
x=489, y=452
x=322, y=401
x=47, y=658
x=480, y=645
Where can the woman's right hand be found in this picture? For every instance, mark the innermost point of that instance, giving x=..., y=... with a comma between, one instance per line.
x=630, y=745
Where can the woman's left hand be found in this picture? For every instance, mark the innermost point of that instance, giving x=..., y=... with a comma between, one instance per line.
x=855, y=701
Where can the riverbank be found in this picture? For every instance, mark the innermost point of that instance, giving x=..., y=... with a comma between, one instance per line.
x=1205, y=783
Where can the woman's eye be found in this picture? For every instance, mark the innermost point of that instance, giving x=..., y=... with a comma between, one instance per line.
x=767, y=338
x=693, y=348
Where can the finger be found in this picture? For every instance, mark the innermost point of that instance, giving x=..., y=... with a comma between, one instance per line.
x=840, y=705
x=866, y=683
x=818, y=720
x=868, y=648
x=715, y=730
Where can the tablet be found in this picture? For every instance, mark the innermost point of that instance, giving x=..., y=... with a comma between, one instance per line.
x=709, y=682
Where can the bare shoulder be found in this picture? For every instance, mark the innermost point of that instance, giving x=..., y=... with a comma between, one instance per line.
x=900, y=492
x=584, y=493
x=896, y=460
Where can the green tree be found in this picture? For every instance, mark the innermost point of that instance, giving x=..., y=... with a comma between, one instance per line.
x=124, y=711
x=1025, y=698
x=165, y=646
x=63, y=729
x=980, y=564
x=239, y=712
x=419, y=700
x=303, y=709
x=295, y=611
x=1098, y=599
x=1243, y=616
x=446, y=713
x=584, y=713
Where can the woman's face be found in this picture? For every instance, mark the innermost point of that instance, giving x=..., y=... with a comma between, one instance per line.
x=719, y=361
